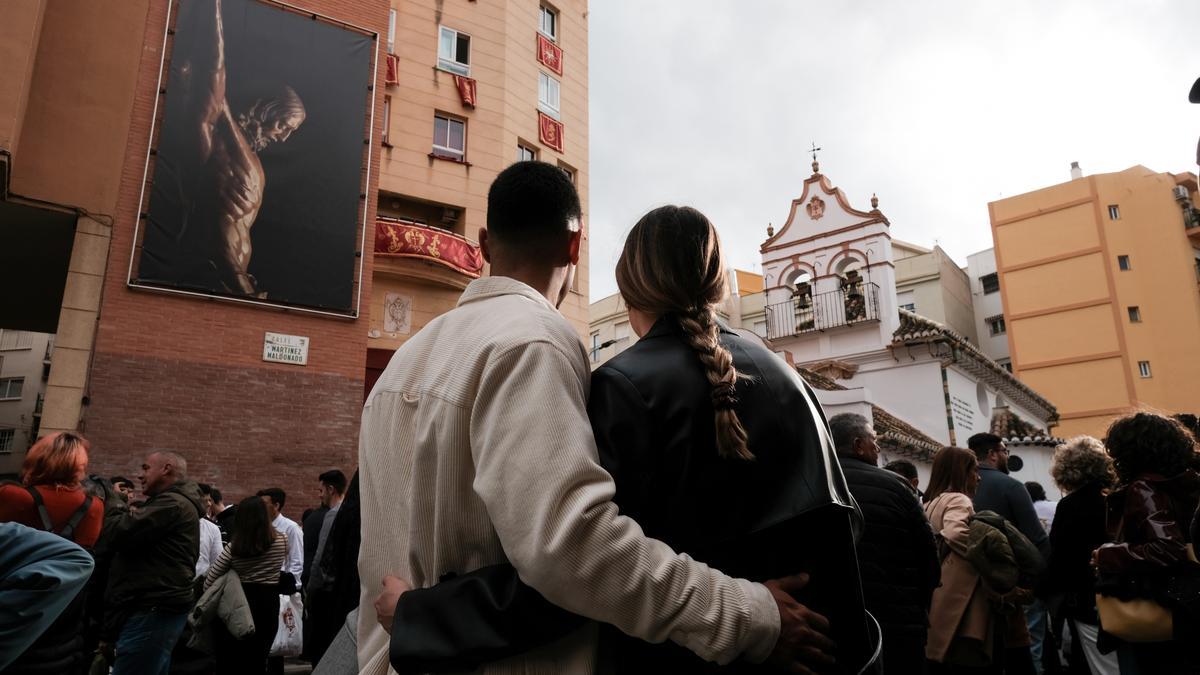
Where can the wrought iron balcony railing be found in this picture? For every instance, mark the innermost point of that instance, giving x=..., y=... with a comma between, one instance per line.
x=821, y=311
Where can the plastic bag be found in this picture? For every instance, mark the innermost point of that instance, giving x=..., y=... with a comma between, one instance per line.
x=289, y=638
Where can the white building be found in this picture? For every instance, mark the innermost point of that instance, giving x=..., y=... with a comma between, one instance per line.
x=24, y=368
x=989, y=308
x=832, y=306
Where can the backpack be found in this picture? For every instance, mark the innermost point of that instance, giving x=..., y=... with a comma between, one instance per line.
x=67, y=531
x=1029, y=560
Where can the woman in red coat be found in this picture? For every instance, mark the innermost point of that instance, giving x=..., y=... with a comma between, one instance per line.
x=50, y=497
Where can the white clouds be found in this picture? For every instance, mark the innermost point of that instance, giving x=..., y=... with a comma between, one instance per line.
x=939, y=107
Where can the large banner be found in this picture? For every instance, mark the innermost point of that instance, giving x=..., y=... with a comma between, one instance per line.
x=260, y=159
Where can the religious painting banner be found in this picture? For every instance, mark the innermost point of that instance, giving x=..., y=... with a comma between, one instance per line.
x=258, y=169
x=550, y=131
x=550, y=54
x=394, y=238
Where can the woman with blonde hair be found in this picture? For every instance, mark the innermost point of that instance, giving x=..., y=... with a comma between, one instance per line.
x=51, y=497
x=1083, y=471
x=717, y=447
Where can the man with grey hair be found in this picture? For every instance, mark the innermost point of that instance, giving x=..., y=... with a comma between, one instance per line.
x=897, y=555
x=154, y=561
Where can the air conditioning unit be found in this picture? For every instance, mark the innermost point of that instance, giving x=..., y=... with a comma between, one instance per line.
x=1182, y=194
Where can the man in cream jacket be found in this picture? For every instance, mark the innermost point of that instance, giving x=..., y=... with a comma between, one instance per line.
x=476, y=449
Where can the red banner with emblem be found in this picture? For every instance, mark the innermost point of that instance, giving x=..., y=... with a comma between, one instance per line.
x=391, y=71
x=550, y=131
x=549, y=54
x=403, y=239
x=466, y=89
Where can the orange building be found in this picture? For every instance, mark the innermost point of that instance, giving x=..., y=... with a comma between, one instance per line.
x=469, y=89
x=1099, y=283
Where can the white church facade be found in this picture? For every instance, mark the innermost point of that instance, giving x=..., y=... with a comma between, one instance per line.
x=829, y=306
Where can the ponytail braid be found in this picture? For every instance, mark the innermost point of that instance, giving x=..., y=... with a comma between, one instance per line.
x=703, y=335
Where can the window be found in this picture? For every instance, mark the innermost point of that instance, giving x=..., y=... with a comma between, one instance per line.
x=548, y=22
x=391, y=31
x=991, y=283
x=548, y=94
x=6, y=439
x=1114, y=212
x=15, y=339
x=387, y=121
x=526, y=153
x=1144, y=368
x=1123, y=263
x=910, y=306
x=996, y=325
x=454, y=51
x=568, y=171
x=1135, y=315
x=449, y=137
x=595, y=347
x=10, y=387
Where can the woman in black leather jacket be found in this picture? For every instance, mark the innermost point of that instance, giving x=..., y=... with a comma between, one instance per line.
x=717, y=448
x=1148, y=521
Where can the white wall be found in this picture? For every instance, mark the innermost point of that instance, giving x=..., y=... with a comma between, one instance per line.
x=912, y=392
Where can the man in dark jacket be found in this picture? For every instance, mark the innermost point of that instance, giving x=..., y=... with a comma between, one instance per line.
x=897, y=555
x=150, y=582
x=1004, y=494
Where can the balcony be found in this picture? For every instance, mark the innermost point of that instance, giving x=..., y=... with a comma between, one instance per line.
x=411, y=249
x=850, y=306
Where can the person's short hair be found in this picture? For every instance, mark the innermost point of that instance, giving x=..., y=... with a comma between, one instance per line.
x=982, y=444
x=120, y=480
x=846, y=428
x=530, y=208
x=59, y=458
x=902, y=467
x=205, y=489
x=1036, y=492
x=176, y=460
x=1079, y=461
x=1148, y=443
x=216, y=496
x=335, y=479
x=276, y=495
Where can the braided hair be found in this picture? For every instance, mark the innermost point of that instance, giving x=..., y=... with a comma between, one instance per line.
x=672, y=264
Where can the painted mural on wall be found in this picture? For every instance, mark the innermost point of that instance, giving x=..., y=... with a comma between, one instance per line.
x=259, y=165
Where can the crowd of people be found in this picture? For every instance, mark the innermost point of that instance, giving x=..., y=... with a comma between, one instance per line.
x=175, y=582
x=686, y=507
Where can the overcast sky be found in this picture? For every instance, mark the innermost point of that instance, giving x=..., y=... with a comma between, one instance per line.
x=938, y=107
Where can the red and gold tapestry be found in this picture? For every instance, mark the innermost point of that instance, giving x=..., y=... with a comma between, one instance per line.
x=410, y=240
x=550, y=131
x=466, y=89
x=391, y=71
x=550, y=54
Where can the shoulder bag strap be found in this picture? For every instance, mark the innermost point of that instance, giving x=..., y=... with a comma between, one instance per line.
x=68, y=530
x=47, y=524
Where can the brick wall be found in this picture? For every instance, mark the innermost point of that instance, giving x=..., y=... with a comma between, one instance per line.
x=187, y=374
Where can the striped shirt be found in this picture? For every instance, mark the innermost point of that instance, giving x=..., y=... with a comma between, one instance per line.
x=262, y=569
